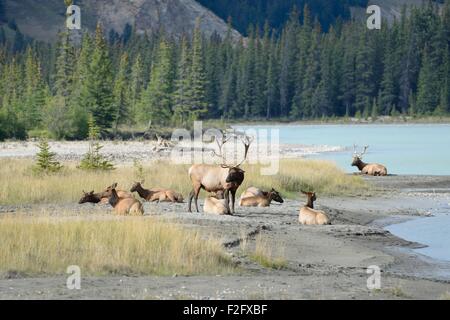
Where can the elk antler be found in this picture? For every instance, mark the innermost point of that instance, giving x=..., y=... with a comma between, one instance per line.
x=247, y=141
x=364, y=152
x=359, y=155
x=220, y=143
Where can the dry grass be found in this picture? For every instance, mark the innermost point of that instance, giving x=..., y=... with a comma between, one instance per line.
x=20, y=186
x=445, y=296
x=324, y=177
x=33, y=246
x=267, y=256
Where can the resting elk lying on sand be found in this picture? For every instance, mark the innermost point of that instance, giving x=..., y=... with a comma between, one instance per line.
x=103, y=197
x=125, y=206
x=371, y=169
x=160, y=195
x=215, y=204
x=262, y=199
x=214, y=178
x=308, y=215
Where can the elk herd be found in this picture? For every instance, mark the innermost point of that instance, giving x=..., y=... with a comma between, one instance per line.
x=221, y=182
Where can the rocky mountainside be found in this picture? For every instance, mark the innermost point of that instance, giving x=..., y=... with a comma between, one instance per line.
x=43, y=19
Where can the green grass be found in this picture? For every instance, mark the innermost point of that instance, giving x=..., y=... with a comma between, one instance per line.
x=267, y=255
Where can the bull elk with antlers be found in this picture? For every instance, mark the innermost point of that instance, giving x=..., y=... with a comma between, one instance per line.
x=223, y=177
x=371, y=169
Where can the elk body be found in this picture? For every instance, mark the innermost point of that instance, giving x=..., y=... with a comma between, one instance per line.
x=252, y=191
x=261, y=200
x=309, y=216
x=215, y=204
x=371, y=169
x=125, y=206
x=214, y=178
x=103, y=197
x=160, y=195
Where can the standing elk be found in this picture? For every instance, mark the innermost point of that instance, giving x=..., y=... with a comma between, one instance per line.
x=371, y=169
x=125, y=206
x=308, y=215
x=223, y=177
x=260, y=200
x=160, y=195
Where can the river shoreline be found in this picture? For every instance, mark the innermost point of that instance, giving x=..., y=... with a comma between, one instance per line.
x=323, y=262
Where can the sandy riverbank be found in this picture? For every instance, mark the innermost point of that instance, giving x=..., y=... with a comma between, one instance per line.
x=124, y=152
x=326, y=262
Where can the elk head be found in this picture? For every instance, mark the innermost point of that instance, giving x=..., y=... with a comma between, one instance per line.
x=357, y=157
x=311, y=195
x=235, y=173
x=136, y=186
x=89, y=197
x=108, y=191
x=276, y=196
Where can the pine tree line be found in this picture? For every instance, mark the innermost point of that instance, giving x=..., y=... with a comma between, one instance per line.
x=300, y=73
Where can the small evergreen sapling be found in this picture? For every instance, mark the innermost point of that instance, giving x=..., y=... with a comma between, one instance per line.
x=46, y=160
x=93, y=159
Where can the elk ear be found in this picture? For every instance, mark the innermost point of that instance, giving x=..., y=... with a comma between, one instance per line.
x=304, y=192
x=114, y=185
x=92, y=192
x=143, y=181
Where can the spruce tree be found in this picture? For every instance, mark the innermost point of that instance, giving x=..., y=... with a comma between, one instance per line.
x=388, y=89
x=364, y=71
x=156, y=101
x=96, y=93
x=93, y=159
x=181, y=114
x=197, y=78
x=121, y=97
x=46, y=160
x=427, y=91
x=135, y=87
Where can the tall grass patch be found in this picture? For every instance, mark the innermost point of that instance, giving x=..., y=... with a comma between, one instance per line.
x=19, y=186
x=134, y=246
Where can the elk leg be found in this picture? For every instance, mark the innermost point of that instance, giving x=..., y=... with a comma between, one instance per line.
x=227, y=201
x=233, y=199
x=191, y=195
x=196, y=199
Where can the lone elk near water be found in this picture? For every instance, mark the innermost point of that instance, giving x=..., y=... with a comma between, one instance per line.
x=371, y=169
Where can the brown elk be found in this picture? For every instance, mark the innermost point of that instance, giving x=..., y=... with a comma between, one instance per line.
x=125, y=206
x=160, y=195
x=215, y=204
x=214, y=178
x=261, y=200
x=103, y=197
x=371, y=169
x=308, y=215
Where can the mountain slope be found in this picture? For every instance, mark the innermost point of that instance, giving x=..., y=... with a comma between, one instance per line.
x=43, y=19
x=390, y=9
x=276, y=12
